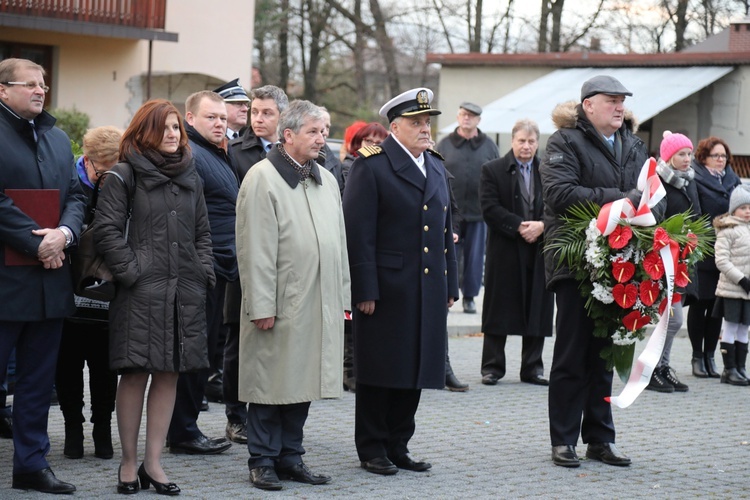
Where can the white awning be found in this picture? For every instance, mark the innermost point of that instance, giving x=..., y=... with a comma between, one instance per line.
x=654, y=90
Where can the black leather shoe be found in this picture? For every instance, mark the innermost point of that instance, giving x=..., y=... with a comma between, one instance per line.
x=265, y=478
x=607, y=453
x=490, y=379
x=565, y=456
x=200, y=446
x=407, y=463
x=536, y=380
x=469, y=306
x=42, y=480
x=302, y=474
x=6, y=427
x=380, y=465
x=128, y=487
x=204, y=404
x=170, y=489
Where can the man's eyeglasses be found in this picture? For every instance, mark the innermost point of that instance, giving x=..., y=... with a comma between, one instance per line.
x=718, y=156
x=29, y=85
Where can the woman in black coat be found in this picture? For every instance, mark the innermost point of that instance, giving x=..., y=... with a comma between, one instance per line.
x=163, y=267
x=715, y=181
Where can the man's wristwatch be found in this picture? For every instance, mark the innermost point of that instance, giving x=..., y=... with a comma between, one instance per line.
x=68, y=235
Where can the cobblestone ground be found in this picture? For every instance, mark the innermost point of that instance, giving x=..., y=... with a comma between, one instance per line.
x=490, y=442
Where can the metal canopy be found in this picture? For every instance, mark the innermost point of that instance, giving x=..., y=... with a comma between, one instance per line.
x=654, y=90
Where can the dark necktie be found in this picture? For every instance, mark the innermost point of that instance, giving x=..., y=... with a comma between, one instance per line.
x=526, y=173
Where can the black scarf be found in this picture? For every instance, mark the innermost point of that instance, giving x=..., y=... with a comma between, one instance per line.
x=170, y=164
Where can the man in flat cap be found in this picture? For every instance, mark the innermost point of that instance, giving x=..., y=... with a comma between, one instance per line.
x=465, y=151
x=403, y=275
x=238, y=105
x=593, y=157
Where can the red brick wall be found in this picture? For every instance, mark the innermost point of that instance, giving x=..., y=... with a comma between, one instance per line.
x=739, y=37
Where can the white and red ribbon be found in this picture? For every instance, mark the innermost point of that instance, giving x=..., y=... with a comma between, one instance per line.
x=610, y=216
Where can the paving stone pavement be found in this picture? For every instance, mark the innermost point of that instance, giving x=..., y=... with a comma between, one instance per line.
x=490, y=442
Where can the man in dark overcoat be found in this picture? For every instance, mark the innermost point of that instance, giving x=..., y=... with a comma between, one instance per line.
x=37, y=295
x=516, y=300
x=403, y=271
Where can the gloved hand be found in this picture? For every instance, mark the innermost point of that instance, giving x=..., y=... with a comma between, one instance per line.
x=634, y=196
x=745, y=284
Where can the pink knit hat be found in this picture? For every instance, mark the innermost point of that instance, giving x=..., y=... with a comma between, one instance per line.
x=673, y=143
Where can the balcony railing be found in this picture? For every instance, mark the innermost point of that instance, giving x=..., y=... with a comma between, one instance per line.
x=147, y=14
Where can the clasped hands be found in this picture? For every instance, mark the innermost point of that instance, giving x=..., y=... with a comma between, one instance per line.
x=531, y=230
x=51, y=252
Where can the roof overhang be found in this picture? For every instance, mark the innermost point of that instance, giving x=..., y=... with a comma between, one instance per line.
x=85, y=28
x=651, y=94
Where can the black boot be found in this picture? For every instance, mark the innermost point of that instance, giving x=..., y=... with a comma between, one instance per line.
x=740, y=351
x=73, y=439
x=670, y=376
x=451, y=381
x=699, y=366
x=103, y=440
x=730, y=375
x=711, y=369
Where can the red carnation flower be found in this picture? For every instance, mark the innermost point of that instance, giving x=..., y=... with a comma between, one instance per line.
x=635, y=321
x=622, y=270
x=625, y=295
x=661, y=238
x=620, y=236
x=652, y=264
x=649, y=292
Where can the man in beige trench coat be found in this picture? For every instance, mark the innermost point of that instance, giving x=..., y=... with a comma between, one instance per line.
x=291, y=251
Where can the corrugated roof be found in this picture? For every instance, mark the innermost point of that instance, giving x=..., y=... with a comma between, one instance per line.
x=591, y=59
x=654, y=90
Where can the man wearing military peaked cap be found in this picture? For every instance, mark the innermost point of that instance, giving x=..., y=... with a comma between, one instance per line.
x=238, y=104
x=403, y=274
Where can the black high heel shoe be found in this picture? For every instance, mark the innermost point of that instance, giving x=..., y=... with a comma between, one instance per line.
x=129, y=488
x=161, y=488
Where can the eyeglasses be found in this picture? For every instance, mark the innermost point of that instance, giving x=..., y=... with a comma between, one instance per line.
x=240, y=104
x=97, y=172
x=29, y=85
x=371, y=142
x=718, y=156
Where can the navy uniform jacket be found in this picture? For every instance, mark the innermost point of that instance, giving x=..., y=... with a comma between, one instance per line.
x=401, y=255
x=32, y=293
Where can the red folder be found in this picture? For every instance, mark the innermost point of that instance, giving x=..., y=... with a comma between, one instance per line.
x=42, y=205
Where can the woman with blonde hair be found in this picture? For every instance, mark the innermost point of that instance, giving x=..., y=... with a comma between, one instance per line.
x=84, y=337
x=162, y=262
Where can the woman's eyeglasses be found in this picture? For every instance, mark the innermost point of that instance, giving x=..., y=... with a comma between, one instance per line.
x=371, y=142
x=718, y=156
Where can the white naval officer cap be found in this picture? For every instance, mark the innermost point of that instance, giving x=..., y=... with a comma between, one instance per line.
x=412, y=102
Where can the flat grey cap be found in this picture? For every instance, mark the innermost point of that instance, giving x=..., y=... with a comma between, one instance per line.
x=471, y=108
x=603, y=84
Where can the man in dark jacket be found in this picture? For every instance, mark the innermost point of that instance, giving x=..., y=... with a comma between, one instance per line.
x=206, y=123
x=465, y=151
x=238, y=105
x=37, y=290
x=265, y=109
x=403, y=275
x=515, y=299
x=593, y=157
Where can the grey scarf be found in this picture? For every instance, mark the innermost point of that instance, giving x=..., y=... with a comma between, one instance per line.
x=676, y=178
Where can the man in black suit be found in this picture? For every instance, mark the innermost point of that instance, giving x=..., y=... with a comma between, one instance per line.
x=38, y=295
x=515, y=298
x=403, y=274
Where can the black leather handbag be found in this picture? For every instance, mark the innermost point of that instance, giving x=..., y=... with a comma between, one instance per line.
x=92, y=279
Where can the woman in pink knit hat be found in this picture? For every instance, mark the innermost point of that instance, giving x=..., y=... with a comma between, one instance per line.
x=676, y=174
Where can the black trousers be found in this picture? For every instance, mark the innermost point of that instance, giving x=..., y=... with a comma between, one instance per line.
x=85, y=344
x=384, y=420
x=579, y=380
x=235, y=409
x=191, y=386
x=703, y=329
x=274, y=434
x=493, y=356
x=36, y=344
